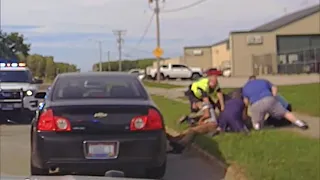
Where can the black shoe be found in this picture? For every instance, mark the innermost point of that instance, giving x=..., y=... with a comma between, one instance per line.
x=176, y=148
x=304, y=127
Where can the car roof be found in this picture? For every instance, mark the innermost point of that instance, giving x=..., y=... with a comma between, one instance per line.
x=96, y=74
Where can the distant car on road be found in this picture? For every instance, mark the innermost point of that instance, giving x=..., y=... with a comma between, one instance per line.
x=140, y=73
x=17, y=91
x=94, y=122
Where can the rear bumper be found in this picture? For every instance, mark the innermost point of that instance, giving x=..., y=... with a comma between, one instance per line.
x=137, y=151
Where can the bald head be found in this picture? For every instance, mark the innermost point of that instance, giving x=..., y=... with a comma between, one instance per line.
x=253, y=77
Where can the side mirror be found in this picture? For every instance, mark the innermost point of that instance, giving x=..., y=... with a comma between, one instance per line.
x=37, y=81
x=40, y=95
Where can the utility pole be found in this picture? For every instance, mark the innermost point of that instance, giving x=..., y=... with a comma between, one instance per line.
x=109, y=67
x=100, y=56
x=158, y=51
x=100, y=52
x=119, y=34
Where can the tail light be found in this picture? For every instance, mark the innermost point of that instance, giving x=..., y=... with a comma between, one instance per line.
x=152, y=121
x=49, y=122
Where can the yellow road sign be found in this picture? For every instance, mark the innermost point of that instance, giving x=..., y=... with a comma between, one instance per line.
x=158, y=52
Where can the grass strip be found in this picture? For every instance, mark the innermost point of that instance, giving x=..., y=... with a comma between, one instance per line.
x=264, y=155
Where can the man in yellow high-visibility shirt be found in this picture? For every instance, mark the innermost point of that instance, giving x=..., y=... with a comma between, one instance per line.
x=204, y=92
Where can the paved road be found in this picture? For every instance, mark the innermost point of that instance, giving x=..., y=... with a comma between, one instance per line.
x=234, y=82
x=14, y=155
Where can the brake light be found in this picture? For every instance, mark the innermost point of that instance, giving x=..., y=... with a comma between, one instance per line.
x=152, y=121
x=49, y=122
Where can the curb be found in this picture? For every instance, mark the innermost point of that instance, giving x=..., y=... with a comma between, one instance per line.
x=232, y=171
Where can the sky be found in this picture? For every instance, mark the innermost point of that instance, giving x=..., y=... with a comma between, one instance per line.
x=69, y=29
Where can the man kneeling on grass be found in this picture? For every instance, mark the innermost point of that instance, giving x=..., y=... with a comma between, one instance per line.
x=233, y=118
x=206, y=124
x=262, y=96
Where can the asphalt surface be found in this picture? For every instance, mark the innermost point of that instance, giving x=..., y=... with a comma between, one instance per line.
x=15, y=158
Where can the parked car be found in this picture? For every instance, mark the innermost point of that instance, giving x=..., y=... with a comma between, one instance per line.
x=227, y=72
x=175, y=71
x=140, y=73
x=93, y=122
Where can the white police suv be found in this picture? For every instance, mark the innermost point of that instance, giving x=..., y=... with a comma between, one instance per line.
x=17, y=90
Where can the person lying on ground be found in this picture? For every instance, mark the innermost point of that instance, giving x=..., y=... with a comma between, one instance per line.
x=232, y=119
x=205, y=90
x=261, y=95
x=206, y=124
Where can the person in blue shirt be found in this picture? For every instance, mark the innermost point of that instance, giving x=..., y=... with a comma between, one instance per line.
x=262, y=96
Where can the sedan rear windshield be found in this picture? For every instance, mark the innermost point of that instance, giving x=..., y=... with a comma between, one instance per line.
x=93, y=87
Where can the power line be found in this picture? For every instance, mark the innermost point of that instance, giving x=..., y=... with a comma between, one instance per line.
x=119, y=34
x=145, y=32
x=184, y=7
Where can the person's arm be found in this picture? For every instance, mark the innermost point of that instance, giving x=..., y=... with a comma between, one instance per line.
x=245, y=111
x=246, y=101
x=205, y=115
x=273, y=88
x=220, y=98
x=204, y=96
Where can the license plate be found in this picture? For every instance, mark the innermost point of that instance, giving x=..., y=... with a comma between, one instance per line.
x=6, y=107
x=101, y=150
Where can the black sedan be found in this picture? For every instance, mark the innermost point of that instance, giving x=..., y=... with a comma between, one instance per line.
x=91, y=123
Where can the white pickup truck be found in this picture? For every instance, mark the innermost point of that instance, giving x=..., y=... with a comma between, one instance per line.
x=175, y=71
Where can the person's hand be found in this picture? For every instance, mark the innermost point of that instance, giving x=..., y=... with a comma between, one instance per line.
x=222, y=108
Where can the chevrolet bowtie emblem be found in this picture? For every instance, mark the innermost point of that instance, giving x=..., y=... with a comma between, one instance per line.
x=100, y=115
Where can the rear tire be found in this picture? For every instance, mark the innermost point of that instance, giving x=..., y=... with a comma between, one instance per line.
x=161, y=77
x=37, y=171
x=157, y=172
x=195, y=76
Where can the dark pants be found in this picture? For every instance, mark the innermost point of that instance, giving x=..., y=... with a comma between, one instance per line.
x=230, y=122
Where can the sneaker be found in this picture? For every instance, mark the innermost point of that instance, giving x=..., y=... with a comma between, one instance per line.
x=182, y=119
x=304, y=127
x=302, y=124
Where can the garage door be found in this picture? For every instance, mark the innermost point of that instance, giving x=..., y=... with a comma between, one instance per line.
x=298, y=54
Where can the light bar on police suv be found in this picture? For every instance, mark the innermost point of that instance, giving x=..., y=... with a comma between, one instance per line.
x=12, y=64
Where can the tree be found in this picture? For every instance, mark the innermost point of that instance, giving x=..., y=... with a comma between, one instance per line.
x=5, y=51
x=126, y=65
x=15, y=42
x=13, y=46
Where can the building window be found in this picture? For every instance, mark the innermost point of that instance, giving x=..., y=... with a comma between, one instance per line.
x=228, y=45
x=296, y=44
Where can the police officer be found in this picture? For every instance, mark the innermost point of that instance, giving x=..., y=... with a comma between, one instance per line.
x=204, y=91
